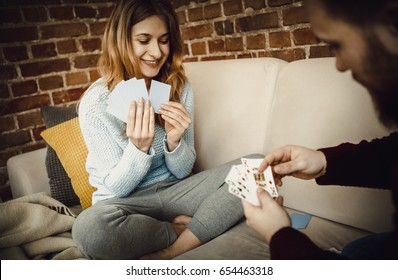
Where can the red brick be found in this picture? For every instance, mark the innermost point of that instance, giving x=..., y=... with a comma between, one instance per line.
x=254, y=4
x=224, y=27
x=258, y=22
x=7, y=124
x=234, y=44
x=36, y=133
x=276, y=3
x=34, y=146
x=255, y=42
x=7, y=72
x=280, y=39
x=26, y=103
x=195, y=14
x=44, y=50
x=185, y=49
x=294, y=15
x=320, y=51
x=85, y=12
x=43, y=67
x=216, y=46
x=105, y=12
x=14, y=139
x=90, y=45
x=67, y=46
x=10, y=15
x=36, y=14
x=179, y=3
x=4, y=91
x=232, y=7
x=97, y=28
x=181, y=17
x=94, y=75
x=86, y=61
x=24, y=88
x=264, y=54
x=29, y=120
x=18, y=34
x=221, y=57
x=196, y=32
x=212, y=11
x=52, y=82
x=304, y=36
x=191, y=59
x=15, y=54
x=246, y=55
x=61, y=13
x=198, y=48
x=289, y=55
x=63, y=30
x=68, y=95
x=77, y=78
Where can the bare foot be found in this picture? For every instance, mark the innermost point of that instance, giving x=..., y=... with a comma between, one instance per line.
x=179, y=223
x=182, y=219
x=185, y=242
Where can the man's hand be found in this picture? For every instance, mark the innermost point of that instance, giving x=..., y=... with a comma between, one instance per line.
x=296, y=161
x=268, y=218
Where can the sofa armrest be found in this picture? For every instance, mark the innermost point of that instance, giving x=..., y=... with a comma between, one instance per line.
x=27, y=173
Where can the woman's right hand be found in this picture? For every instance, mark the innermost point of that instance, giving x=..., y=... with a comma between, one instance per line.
x=140, y=127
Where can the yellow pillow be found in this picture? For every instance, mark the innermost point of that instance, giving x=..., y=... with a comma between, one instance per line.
x=67, y=141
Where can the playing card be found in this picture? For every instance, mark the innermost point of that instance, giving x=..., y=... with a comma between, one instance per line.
x=263, y=180
x=159, y=94
x=237, y=182
x=122, y=95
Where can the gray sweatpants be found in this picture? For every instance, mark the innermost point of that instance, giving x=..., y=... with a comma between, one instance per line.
x=128, y=228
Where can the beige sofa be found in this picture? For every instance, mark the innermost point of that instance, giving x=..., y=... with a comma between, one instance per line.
x=253, y=106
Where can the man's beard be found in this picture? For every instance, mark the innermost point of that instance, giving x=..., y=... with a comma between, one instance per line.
x=383, y=67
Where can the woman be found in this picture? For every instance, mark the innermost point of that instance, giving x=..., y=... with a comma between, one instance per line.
x=143, y=207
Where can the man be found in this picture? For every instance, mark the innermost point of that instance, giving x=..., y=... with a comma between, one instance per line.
x=364, y=38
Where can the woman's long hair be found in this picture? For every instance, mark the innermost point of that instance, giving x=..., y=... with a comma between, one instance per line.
x=118, y=61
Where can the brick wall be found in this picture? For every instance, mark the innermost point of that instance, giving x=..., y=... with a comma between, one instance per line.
x=49, y=50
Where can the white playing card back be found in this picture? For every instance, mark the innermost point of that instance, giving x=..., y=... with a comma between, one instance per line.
x=159, y=94
x=126, y=91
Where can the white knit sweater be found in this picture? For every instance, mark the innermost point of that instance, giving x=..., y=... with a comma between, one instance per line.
x=115, y=166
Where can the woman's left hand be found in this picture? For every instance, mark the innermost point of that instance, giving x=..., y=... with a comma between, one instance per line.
x=177, y=120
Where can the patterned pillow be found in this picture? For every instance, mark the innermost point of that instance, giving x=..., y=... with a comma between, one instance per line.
x=60, y=183
x=67, y=141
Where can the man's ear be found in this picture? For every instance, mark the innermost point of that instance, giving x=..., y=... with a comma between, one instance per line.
x=387, y=28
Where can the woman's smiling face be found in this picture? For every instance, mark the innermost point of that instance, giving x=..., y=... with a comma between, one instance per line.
x=151, y=45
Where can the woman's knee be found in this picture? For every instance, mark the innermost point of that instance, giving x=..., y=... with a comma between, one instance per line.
x=90, y=233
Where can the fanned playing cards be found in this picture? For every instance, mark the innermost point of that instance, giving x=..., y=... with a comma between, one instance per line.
x=127, y=91
x=244, y=180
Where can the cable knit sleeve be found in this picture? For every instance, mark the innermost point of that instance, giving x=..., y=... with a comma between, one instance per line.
x=181, y=160
x=115, y=165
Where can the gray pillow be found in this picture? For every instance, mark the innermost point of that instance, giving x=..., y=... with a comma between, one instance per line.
x=60, y=184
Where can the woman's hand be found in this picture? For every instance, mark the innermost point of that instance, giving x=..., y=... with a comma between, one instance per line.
x=177, y=120
x=140, y=127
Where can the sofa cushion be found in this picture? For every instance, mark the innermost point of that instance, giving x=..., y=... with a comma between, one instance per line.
x=60, y=183
x=232, y=101
x=67, y=141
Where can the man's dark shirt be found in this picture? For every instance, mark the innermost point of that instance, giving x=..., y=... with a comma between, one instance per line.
x=367, y=164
